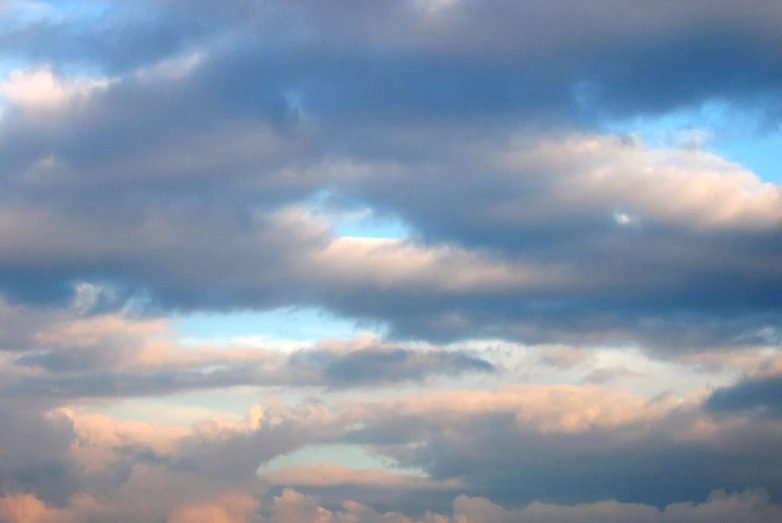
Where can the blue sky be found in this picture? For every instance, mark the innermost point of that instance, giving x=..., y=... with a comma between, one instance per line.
x=390, y=260
x=736, y=137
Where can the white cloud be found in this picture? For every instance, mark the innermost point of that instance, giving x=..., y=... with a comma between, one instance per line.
x=43, y=90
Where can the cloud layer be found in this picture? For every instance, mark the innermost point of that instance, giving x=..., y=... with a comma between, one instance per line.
x=571, y=319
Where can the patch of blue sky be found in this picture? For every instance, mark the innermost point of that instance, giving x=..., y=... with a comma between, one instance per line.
x=372, y=227
x=74, y=15
x=291, y=324
x=8, y=64
x=290, y=327
x=355, y=219
x=736, y=135
x=27, y=11
x=15, y=12
x=760, y=154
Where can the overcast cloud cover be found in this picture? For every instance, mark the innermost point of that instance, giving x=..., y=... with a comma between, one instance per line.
x=563, y=280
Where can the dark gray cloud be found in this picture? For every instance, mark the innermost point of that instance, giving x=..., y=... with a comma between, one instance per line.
x=102, y=371
x=510, y=455
x=374, y=366
x=65, y=354
x=673, y=280
x=762, y=395
x=750, y=506
x=163, y=157
x=464, y=58
x=512, y=446
x=174, y=178
x=108, y=384
x=34, y=447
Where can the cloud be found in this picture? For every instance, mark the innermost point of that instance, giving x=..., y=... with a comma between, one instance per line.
x=754, y=363
x=105, y=469
x=290, y=506
x=35, y=442
x=374, y=365
x=165, y=158
x=516, y=444
x=477, y=442
x=604, y=375
x=26, y=508
x=66, y=354
x=509, y=221
x=750, y=505
x=754, y=394
x=478, y=281
x=42, y=90
x=234, y=509
x=564, y=357
x=432, y=62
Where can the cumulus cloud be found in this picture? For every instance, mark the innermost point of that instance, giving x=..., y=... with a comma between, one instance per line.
x=478, y=442
x=509, y=222
x=208, y=208
x=471, y=277
x=290, y=506
x=519, y=442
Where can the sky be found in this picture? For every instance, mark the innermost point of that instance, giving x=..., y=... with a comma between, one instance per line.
x=400, y=261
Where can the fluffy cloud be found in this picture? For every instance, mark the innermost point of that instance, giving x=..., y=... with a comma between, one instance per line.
x=292, y=507
x=634, y=245
x=530, y=437
x=520, y=442
x=667, y=278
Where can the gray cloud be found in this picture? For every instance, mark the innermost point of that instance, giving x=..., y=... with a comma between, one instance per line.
x=751, y=506
x=34, y=448
x=464, y=59
x=308, y=368
x=65, y=354
x=165, y=157
x=375, y=366
x=125, y=183
x=762, y=394
x=673, y=281
x=604, y=375
x=506, y=452
x=513, y=446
